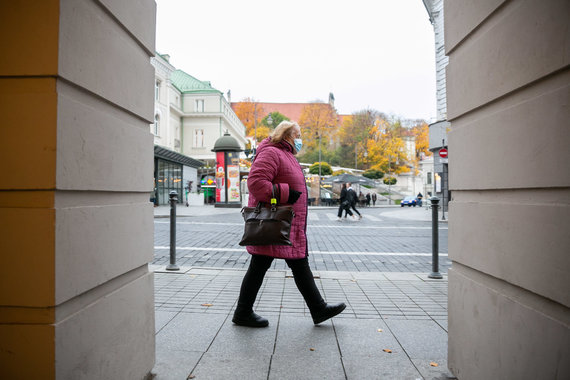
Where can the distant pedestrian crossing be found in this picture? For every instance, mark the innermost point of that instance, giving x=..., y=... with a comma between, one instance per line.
x=314, y=217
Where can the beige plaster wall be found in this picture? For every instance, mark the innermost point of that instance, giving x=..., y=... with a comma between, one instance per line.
x=508, y=86
x=76, y=295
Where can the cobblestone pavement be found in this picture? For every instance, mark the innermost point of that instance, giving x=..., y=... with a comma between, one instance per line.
x=385, y=240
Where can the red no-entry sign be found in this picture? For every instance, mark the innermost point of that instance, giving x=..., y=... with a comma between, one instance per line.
x=443, y=153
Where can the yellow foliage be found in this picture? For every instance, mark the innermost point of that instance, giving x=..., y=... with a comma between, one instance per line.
x=317, y=119
x=250, y=114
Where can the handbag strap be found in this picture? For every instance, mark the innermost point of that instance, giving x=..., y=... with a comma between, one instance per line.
x=273, y=201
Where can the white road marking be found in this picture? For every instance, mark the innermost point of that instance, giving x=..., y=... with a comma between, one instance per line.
x=312, y=216
x=370, y=217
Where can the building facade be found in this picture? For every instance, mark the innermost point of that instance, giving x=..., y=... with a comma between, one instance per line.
x=508, y=92
x=189, y=116
x=439, y=129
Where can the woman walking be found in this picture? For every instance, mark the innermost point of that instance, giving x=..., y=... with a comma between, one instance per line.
x=344, y=203
x=275, y=164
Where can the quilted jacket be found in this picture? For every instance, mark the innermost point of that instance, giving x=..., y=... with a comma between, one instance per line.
x=276, y=164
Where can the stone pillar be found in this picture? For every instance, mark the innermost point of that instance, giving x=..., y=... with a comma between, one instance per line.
x=76, y=96
x=508, y=93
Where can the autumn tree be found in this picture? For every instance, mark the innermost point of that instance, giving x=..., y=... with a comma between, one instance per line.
x=319, y=123
x=421, y=133
x=386, y=148
x=250, y=114
x=354, y=135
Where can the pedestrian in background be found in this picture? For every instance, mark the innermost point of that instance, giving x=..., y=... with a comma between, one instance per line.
x=275, y=164
x=344, y=203
x=367, y=199
x=374, y=197
x=352, y=198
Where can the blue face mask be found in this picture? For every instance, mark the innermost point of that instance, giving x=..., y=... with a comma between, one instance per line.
x=298, y=144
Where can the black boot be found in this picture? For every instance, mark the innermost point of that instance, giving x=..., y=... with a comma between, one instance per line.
x=244, y=315
x=327, y=311
x=320, y=310
x=249, y=318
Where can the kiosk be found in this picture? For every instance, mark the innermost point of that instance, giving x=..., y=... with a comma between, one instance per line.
x=227, y=171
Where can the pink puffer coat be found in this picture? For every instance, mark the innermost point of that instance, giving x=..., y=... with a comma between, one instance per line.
x=276, y=164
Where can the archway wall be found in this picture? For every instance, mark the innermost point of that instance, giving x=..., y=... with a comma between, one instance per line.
x=508, y=82
x=76, y=296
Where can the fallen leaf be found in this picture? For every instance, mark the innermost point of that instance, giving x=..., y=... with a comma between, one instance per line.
x=207, y=304
x=387, y=350
x=316, y=276
x=353, y=280
x=380, y=330
x=191, y=377
x=311, y=349
x=433, y=364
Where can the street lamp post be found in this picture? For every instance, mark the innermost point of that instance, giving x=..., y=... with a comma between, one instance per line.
x=389, y=181
x=319, y=183
x=255, y=123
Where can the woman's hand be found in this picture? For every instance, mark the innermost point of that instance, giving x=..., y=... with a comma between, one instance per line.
x=293, y=196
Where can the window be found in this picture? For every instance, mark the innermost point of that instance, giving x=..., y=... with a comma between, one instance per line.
x=199, y=138
x=199, y=105
x=157, y=90
x=429, y=178
x=156, y=125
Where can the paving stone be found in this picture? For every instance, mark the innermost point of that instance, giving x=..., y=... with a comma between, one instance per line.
x=174, y=364
x=422, y=339
x=215, y=365
x=307, y=365
x=430, y=372
x=190, y=331
x=245, y=341
x=393, y=366
x=361, y=336
x=161, y=318
x=299, y=334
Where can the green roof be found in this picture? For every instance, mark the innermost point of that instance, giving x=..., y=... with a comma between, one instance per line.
x=186, y=83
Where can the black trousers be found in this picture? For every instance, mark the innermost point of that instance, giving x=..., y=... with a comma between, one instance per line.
x=253, y=279
x=353, y=206
x=341, y=209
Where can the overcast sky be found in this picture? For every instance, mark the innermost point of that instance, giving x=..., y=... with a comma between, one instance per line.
x=375, y=54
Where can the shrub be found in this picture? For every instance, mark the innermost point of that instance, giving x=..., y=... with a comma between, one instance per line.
x=325, y=168
x=373, y=174
x=390, y=180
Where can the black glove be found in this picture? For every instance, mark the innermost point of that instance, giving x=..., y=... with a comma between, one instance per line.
x=293, y=196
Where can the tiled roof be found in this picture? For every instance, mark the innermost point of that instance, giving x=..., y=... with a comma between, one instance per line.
x=187, y=83
x=291, y=110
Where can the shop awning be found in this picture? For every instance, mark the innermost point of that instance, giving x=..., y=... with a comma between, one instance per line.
x=169, y=155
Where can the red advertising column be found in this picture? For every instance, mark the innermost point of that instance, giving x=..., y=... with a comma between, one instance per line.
x=220, y=177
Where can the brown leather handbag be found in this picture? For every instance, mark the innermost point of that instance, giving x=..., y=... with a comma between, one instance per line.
x=267, y=224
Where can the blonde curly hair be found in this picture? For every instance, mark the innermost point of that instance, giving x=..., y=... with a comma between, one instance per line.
x=283, y=130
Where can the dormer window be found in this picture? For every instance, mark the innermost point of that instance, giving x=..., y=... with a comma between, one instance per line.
x=199, y=105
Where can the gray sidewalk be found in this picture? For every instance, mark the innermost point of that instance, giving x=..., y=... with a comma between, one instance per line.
x=394, y=327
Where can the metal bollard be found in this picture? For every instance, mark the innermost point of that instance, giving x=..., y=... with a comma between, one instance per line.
x=173, y=195
x=434, y=240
